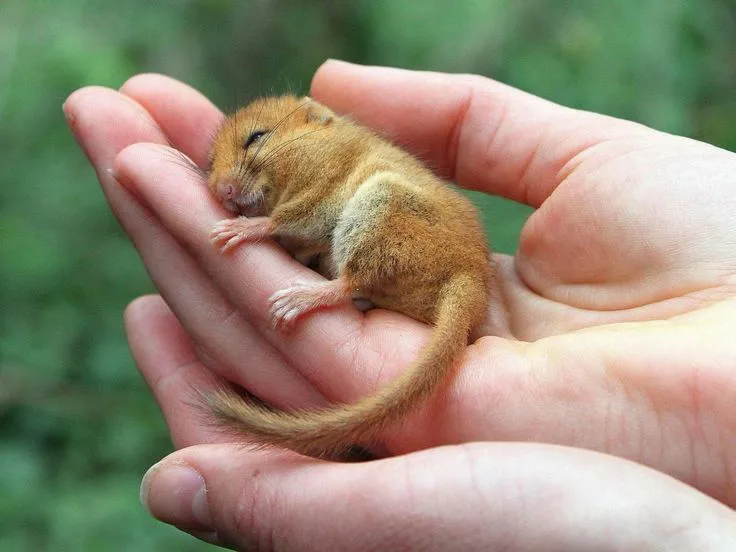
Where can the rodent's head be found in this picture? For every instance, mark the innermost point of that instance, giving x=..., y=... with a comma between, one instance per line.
x=250, y=145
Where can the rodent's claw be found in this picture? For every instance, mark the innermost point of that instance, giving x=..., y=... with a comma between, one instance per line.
x=222, y=235
x=284, y=319
x=222, y=225
x=232, y=242
x=227, y=240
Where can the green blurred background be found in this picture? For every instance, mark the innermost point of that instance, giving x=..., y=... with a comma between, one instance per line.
x=77, y=426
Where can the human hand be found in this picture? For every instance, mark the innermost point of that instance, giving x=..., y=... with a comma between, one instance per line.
x=478, y=496
x=656, y=391
x=511, y=496
x=630, y=224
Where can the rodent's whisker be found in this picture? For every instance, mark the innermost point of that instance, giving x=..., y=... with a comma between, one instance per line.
x=274, y=156
x=184, y=162
x=271, y=133
x=280, y=147
x=272, y=159
x=211, y=138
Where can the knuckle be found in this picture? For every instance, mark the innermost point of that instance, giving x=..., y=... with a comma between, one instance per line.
x=253, y=516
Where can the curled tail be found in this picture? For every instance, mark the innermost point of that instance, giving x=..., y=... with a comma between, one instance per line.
x=329, y=433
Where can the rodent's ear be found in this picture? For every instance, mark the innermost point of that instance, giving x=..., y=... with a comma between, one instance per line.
x=318, y=113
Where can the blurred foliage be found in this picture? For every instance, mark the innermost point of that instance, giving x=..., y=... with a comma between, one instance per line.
x=77, y=426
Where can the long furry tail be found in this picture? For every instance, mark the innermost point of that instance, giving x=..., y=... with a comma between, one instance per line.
x=331, y=432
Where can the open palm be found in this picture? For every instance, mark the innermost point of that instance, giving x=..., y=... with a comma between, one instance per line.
x=621, y=295
x=624, y=280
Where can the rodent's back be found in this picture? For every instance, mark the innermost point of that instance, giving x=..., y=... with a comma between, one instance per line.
x=403, y=221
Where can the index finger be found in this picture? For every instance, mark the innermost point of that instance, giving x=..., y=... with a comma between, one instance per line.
x=186, y=116
x=482, y=134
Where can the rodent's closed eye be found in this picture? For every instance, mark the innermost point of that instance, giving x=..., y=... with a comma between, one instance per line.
x=254, y=137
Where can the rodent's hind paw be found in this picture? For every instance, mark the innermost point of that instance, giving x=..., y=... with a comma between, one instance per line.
x=288, y=305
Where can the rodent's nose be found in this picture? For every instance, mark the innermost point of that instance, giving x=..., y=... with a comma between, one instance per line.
x=225, y=190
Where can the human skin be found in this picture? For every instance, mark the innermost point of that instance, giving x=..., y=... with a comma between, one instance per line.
x=621, y=293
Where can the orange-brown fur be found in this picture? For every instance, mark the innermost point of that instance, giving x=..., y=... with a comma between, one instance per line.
x=387, y=229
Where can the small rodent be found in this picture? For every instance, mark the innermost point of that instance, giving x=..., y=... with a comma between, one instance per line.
x=387, y=230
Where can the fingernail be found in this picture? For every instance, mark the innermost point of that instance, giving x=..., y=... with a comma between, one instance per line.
x=175, y=493
x=71, y=121
x=112, y=173
x=336, y=61
x=69, y=114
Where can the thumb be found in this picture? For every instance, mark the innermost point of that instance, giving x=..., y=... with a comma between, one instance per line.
x=271, y=500
x=481, y=496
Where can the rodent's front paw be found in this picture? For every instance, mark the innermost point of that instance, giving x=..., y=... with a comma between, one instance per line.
x=229, y=233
